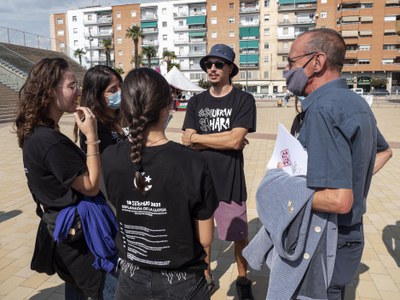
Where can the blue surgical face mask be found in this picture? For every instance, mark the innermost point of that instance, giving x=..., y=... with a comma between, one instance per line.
x=114, y=100
x=296, y=79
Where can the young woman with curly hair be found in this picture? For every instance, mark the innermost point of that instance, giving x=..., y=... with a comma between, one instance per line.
x=59, y=174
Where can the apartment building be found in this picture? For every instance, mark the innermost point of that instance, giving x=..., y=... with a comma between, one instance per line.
x=371, y=31
x=124, y=17
x=260, y=31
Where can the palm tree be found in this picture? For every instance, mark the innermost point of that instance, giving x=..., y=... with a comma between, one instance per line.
x=79, y=53
x=139, y=59
x=149, y=52
x=135, y=33
x=168, y=56
x=107, y=44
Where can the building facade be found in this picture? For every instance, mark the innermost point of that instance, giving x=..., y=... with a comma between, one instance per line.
x=260, y=31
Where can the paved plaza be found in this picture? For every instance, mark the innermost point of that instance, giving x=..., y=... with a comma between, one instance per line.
x=379, y=273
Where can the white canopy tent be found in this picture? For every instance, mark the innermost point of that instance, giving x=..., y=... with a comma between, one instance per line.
x=176, y=78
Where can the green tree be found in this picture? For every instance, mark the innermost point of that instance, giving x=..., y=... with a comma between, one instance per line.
x=79, y=53
x=119, y=70
x=139, y=58
x=107, y=45
x=205, y=84
x=378, y=82
x=238, y=86
x=149, y=52
x=168, y=57
x=178, y=66
x=135, y=33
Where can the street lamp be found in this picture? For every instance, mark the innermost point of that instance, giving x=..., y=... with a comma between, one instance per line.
x=90, y=47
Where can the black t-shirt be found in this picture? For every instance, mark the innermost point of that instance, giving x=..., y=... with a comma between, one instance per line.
x=105, y=135
x=207, y=114
x=157, y=230
x=52, y=162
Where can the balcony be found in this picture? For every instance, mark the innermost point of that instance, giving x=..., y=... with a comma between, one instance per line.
x=297, y=7
x=150, y=43
x=200, y=53
x=181, y=28
x=182, y=14
x=284, y=37
x=181, y=41
x=248, y=9
x=99, y=21
x=147, y=31
x=149, y=17
x=283, y=51
x=281, y=65
x=297, y=21
x=102, y=34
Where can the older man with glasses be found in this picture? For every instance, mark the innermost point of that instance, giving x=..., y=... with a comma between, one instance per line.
x=216, y=123
x=344, y=145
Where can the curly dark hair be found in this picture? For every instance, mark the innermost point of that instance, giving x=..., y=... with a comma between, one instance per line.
x=145, y=93
x=95, y=82
x=36, y=95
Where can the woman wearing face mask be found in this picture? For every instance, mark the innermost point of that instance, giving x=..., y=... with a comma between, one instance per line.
x=101, y=92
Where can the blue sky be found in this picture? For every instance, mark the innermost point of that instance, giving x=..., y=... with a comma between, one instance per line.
x=33, y=15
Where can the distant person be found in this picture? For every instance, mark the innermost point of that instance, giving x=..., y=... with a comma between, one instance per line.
x=340, y=135
x=164, y=197
x=216, y=123
x=59, y=174
x=101, y=92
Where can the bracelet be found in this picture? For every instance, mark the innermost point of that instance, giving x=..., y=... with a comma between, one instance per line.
x=190, y=138
x=93, y=154
x=92, y=143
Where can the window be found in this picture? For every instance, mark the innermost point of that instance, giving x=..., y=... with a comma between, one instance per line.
x=323, y=1
x=60, y=21
x=389, y=47
x=180, y=23
x=266, y=17
x=363, y=61
x=285, y=30
x=120, y=65
x=118, y=15
x=60, y=32
x=285, y=45
x=164, y=24
x=266, y=31
x=231, y=33
x=266, y=3
x=164, y=37
x=387, y=61
x=266, y=45
x=364, y=47
x=62, y=45
x=119, y=52
x=89, y=17
x=266, y=58
x=133, y=13
x=75, y=43
x=231, y=5
x=119, y=27
x=119, y=40
x=74, y=19
x=231, y=20
x=164, y=11
x=323, y=15
x=75, y=30
x=213, y=21
x=214, y=7
x=390, y=18
x=266, y=74
x=214, y=35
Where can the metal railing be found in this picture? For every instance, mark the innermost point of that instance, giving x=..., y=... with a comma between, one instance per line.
x=10, y=78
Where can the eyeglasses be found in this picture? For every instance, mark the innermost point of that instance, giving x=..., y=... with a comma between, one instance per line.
x=296, y=58
x=74, y=86
x=218, y=64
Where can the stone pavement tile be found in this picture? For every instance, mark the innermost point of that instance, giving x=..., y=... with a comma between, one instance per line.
x=19, y=293
x=18, y=252
x=388, y=261
x=367, y=290
x=35, y=280
x=7, y=271
x=395, y=275
x=389, y=295
x=384, y=283
x=10, y=284
x=375, y=267
x=25, y=272
x=5, y=261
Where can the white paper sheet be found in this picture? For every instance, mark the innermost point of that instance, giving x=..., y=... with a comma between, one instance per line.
x=290, y=152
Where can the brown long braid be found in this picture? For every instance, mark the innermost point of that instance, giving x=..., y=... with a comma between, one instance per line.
x=145, y=93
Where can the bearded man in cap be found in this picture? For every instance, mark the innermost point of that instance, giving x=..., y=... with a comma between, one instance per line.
x=216, y=123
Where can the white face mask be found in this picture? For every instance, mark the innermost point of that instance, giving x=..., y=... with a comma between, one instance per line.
x=114, y=100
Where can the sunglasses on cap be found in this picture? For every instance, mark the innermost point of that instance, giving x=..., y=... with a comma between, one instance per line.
x=218, y=64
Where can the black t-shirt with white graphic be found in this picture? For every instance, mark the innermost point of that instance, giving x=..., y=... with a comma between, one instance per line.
x=157, y=230
x=207, y=114
x=52, y=162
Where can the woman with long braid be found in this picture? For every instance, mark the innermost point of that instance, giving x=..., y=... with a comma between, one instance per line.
x=164, y=197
